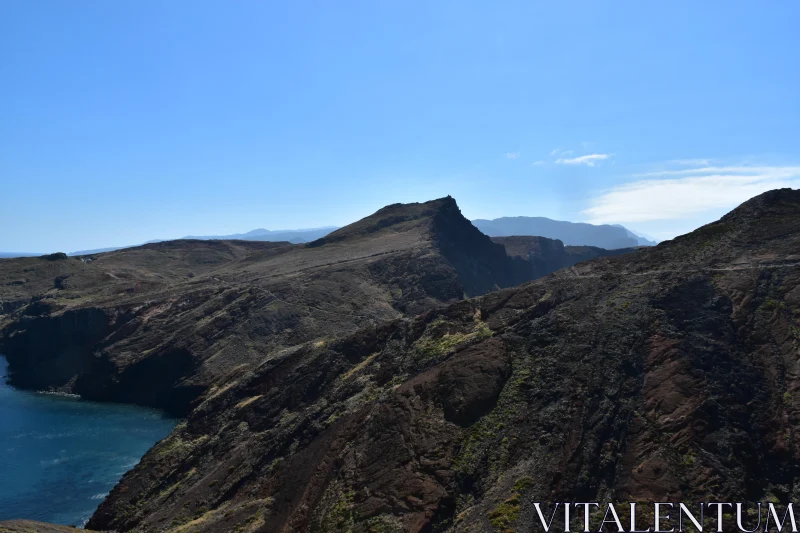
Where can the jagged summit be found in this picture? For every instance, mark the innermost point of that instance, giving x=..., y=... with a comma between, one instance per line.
x=316, y=400
x=660, y=375
x=775, y=202
x=479, y=264
x=394, y=217
x=191, y=311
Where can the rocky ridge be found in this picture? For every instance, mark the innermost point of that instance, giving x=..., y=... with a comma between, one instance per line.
x=186, y=315
x=665, y=375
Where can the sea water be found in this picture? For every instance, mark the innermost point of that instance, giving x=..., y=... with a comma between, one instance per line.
x=60, y=456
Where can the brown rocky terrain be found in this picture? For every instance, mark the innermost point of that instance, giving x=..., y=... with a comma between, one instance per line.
x=160, y=324
x=666, y=374
x=29, y=526
x=543, y=255
x=166, y=323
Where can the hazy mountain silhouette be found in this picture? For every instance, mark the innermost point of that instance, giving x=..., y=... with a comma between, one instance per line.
x=295, y=236
x=610, y=237
x=570, y=233
x=8, y=255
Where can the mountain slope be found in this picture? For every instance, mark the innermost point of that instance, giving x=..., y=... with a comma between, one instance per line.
x=192, y=313
x=29, y=526
x=570, y=233
x=544, y=255
x=668, y=374
x=297, y=236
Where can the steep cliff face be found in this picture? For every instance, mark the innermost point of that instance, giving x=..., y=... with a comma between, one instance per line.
x=46, y=351
x=662, y=375
x=481, y=264
x=161, y=324
x=543, y=256
x=314, y=403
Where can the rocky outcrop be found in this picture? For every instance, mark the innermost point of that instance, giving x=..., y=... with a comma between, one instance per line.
x=662, y=375
x=481, y=264
x=29, y=526
x=48, y=352
x=542, y=256
x=320, y=404
x=161, y=324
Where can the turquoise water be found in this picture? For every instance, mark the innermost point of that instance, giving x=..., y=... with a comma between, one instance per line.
x=60, y=456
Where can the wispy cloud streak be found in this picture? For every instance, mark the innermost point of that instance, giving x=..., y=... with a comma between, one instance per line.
x=589, y=160
x=677, y=194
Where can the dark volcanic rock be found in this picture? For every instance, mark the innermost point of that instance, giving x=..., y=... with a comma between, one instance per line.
x=162, y=323
x=543, y=256
x=666, y=374
x=58, y=256
x=481, y=264
x=49, y=351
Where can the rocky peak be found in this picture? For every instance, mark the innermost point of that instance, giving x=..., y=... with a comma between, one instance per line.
x=775, y=202
x=394, y=217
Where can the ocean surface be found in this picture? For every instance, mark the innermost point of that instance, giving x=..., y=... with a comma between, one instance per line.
x=60, y=456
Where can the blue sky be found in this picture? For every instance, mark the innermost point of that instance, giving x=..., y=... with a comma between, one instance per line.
x=126, y=121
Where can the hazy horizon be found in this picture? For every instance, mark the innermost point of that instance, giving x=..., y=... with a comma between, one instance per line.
x=18, y=253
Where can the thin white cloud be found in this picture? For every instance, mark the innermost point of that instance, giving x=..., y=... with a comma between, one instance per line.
x=687, y=192
x=773, y=171
x=589, y=160
x=560, y=152
x=512, y=155
x=690, y=162
x=537, y=163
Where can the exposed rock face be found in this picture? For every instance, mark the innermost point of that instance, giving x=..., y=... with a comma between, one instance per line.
x=29, y=526
x=50, y=351
x=481, y=264
x=543, y=256
x=160, y=324
x=665, y=374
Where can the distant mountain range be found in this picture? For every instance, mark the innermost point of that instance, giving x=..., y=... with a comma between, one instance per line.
x=8, y=255
x=296, y=236
x=306, y=373
x=610, y=237
x=644, y=240
x=570, y=233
